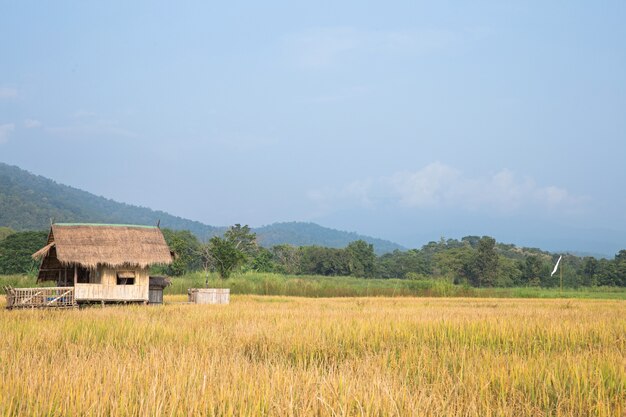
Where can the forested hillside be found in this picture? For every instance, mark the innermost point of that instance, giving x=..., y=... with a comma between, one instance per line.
x=307, y=234
x=29, y=202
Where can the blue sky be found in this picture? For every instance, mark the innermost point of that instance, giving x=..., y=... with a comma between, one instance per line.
x=404, y=120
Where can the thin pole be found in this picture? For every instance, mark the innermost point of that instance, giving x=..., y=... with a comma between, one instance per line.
x=561, y=273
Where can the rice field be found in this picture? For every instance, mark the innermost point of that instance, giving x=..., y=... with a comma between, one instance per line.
x=288, y=356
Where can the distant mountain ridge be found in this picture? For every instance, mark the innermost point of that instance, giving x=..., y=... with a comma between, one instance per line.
x=307, y=234
x=29, y=202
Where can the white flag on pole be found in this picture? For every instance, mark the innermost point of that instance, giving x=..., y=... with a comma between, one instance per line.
x=556, y=266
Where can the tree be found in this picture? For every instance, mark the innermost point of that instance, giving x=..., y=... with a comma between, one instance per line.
x=607, y=272
x=620, y=268
x=485, y=268
x=207, y=262
x=224, y=256
x=362, y=258
x=242, y=238
x=287, y=258
x=590, y=268
x=531, y=272
x=16, y=251
x=319, y=260
x=473, y=241
x=186, y=248
x=400, y=263
x=263, y=261
x=508, y=273
x=456, y=263
x=229, y=253
x=5, y=232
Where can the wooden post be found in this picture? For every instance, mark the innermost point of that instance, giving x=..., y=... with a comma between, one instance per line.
x=75, y=275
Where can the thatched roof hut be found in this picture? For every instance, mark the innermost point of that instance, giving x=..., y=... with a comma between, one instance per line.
x=109, y=245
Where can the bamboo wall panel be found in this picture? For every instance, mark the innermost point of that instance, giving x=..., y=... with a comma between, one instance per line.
x=97, y=292
x=209, y=295
x=108, y=290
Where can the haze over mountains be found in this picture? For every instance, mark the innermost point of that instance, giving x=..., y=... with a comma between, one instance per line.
x=29, y=202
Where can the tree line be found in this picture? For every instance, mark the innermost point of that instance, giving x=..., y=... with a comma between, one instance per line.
x=473, y=260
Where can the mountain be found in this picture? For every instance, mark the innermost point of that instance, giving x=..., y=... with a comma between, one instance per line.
x=306, y=234
x=29, y=202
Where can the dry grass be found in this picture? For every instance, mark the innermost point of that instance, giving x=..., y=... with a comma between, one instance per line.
x=294, y=356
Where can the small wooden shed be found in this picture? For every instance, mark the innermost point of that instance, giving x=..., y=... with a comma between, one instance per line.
x=103, y=262
x=156, y=287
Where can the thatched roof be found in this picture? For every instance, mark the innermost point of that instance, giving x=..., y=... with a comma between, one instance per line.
x=106, y=244
x=159, y=282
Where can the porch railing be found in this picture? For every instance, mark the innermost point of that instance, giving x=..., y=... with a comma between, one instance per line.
x=45, y=297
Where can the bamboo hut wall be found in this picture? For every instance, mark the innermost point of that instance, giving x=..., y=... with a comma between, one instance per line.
x=108, y=290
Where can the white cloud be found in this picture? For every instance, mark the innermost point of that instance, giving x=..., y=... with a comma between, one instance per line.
x=428, y=187
x=437, y=186
x=8, y=92
x=31, y=123
x=5, y=131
